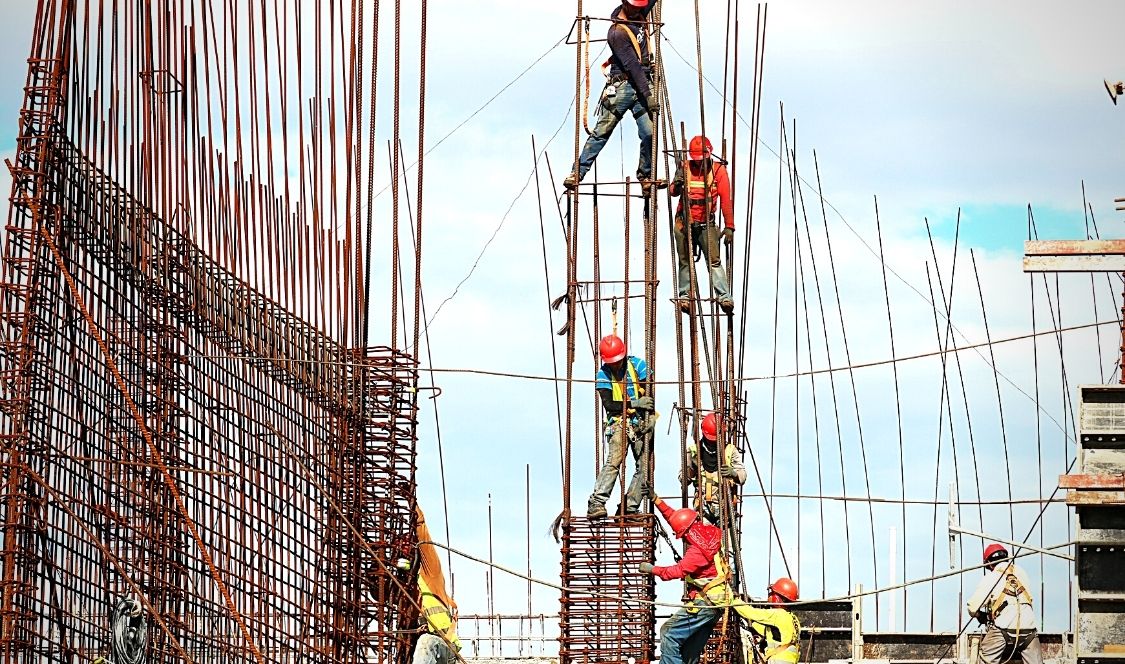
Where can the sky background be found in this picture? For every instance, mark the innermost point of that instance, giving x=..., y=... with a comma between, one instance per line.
x=982, y=110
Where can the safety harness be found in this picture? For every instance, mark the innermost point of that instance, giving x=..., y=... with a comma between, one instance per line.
x=702, y=192
x=620, y=387
x=710, y=480
x=438, y=619
x=1013, y=588
x=636, y=47
x=715, y=591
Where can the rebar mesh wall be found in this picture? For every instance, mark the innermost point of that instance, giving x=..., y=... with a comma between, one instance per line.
x=607, y=613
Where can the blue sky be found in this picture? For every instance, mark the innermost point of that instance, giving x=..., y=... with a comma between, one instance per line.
x=986, y=108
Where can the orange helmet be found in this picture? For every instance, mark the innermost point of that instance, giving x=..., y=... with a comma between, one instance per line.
x=681, y=520
x=699, y=148
x=612, y=349
x=783, y=589
x=710, y=426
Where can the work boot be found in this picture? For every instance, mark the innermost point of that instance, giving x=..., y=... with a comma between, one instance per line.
x=571, y=181
x=727, y=305
x=684, y=305
x=596, y=512
x=647, y=185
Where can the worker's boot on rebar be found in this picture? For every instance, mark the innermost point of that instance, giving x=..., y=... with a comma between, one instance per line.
x=684, y=305
x=571, y=181
x=595, y=511
x=727, y=305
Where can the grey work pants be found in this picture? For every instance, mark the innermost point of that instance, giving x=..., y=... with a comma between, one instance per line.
x=640, y=442
x=1001, y=645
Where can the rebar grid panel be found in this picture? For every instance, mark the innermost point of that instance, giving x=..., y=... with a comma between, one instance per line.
x=284, y=447
x=607, y=613
x=724, y=646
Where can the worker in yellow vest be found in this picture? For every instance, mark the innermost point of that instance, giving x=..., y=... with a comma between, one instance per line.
x=708, y=474
x=778, y=630
x=438, y=644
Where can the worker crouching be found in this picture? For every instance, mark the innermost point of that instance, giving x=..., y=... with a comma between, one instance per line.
x=685, y=634
x=1002, y=602
x=777, y=629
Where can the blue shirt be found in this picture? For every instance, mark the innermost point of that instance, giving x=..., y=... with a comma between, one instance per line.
x=605, y=382
x=623, y=59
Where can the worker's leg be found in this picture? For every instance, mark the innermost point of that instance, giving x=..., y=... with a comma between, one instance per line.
x=710, y=245
x=432, y=649
x=610, y=469
x=683, y=260
x=1029, y=648
x=613, y=108
x=992, y=646
x=695, y=644
x=644, y=132
x=638, y=487
x=677, y=631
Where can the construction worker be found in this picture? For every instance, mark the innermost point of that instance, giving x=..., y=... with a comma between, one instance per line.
x=1002, y=602
x=778, y=630
x=629, y=420
x=705, y=181
x=439, y=643
x=704, y=469
x=684, y=635
x=627, y=90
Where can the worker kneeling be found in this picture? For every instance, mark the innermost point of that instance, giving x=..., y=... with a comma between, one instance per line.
x=684, y=635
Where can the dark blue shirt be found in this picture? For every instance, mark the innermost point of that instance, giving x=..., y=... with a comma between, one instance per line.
x=623, y=59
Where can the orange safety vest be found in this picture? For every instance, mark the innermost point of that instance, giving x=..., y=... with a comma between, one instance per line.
x=701, y=191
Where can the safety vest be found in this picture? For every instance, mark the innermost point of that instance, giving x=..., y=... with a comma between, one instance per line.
x=782, y=647
x=702, y=192
x=438, y=620
x=620, y=388
x=715, y=590
x=1012, y=588
x=710, y=480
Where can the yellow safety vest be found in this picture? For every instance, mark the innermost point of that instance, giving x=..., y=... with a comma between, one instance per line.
x=438, y=620
x=709, y=481
x=619, y=389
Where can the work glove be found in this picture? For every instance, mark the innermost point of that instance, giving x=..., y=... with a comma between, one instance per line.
x=728, y=236
x=643, y=403
x=645, y=568
x=729, y=472
x=652, y=494
x=653, y=105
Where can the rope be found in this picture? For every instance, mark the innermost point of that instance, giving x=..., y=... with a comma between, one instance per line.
x=129, y=632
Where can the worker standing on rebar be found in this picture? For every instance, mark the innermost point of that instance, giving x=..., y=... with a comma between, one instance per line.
x=708, y=475
x=778, y=630
x=703, y=185
x=1002, y=602
x=684, y=635
x=629, y=423
x=438, y=644
x=627, y=90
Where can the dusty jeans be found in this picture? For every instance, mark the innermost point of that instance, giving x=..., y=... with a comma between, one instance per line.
x=432, y=649
x=1001, y=645
x=613, y=106
x=641, y=445
x=685, y=634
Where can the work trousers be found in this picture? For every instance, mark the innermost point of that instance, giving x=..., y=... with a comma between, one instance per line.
x=432, y=649
x=641, y=445
x=704, y=235
x=1001, y=645
x=613, y=106
x=685, y=634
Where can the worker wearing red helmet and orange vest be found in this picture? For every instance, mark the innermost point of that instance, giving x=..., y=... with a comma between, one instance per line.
x=627, y=90
x=629, y=421
x=704, y=186
x=1002, y=602
x=684, y=635
x=704, y=469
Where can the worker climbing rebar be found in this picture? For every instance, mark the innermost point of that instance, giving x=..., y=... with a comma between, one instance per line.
x=708, y=474
x=703, y=181
x=438, y=644
x=627, y=89
x=630, y=419
x=777, y=629
x=685, y=634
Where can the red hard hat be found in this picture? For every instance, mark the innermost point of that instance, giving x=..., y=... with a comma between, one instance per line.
x=785, y=588
x=681, y=520
x=612, y=349
x=710, y=426
x=637, y=3
x=699, y=148
x=995, y=552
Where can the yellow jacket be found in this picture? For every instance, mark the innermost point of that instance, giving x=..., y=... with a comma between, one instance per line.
x=780, y=629
x=438, y=607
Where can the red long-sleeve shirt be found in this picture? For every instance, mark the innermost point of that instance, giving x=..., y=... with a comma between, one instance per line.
x=699, y=559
